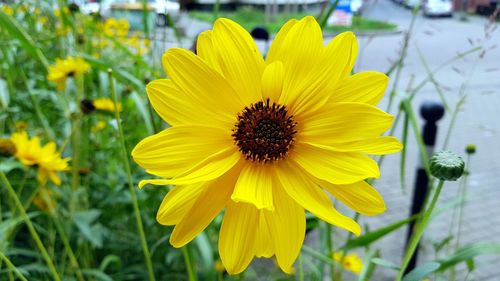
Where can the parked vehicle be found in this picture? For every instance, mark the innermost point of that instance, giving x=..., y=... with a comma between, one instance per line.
x=162, y=8
x=437, y=8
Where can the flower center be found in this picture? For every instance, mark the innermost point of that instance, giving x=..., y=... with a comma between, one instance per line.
x=264, y=132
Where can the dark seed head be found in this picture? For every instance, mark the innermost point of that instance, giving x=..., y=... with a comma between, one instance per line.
x=264, y=132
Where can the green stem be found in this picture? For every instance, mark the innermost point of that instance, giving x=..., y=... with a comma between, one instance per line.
x=189, y=264
x=419, y=231
x=329, y=246
x=67, y=246
x=301, y=268
x=31, y=228
x=12, y=267
x=328, y=13
x=135, y=204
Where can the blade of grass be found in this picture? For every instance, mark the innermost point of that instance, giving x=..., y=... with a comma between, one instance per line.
x=18, y=32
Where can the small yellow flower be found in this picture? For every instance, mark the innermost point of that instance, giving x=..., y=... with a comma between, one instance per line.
x=350, y=262
x=265, y=140
x=110, y=26
x=8, y=10
x=30, y=152
x=105, y=104
x=62, y=69
x=43, y=20
x=122, y=27
x=219, y=267
x=58, y=12
x=98, y=127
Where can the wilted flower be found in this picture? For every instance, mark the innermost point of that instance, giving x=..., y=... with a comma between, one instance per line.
x=265, y=139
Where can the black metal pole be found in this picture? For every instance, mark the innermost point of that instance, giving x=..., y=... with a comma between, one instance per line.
x=431, y=112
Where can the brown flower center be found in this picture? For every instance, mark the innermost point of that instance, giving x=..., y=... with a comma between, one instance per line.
x=264, y=132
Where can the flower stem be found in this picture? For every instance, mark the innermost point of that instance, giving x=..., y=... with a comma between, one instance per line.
x=31, y=228
x=135, y=204
x=419, y=231
x=301, y=268
x=189, y=264
x=12, y=267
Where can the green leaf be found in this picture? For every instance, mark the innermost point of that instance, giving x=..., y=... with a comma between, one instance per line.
x=109, y=259
x=385, y=263
x=368, y=266
x=97, y=274
x=206, y=252
x=468, y=252
x=10, y=164
x=422, y=271
x=4, y=94
x=84, y=221
x=368, y=238
x=17, y=31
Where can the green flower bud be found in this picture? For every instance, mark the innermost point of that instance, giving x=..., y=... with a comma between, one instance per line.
x=470, y=149
x=446, y=165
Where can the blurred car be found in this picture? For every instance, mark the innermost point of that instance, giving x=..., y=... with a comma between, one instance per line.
x=162, y=8
x=357, y=6
x=437, y=8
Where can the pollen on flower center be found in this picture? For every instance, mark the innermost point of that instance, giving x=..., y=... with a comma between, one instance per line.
x=264, y=132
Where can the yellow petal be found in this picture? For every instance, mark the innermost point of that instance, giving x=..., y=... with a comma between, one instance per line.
x=237, y=238
x=196, y=79
x=209, y=203
x=300, y=54
x=239, y=58
x=360, y=196
x=335, y=167
x=177, y=203
x=366, y=87
x=288, y=227
x=377, y=146
x=339, y=58
x=272, y=81
x=254, y=186
x=206, y=50
x=264, y=245
x=276, y=49
x=179, y=108
x=344, y=122
x=304, y=191
x=178, y=149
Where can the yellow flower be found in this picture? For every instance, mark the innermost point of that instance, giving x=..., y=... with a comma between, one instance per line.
x=122, y=27
x=30, y=153
x=98, y=127
x=350, y=262
x=265, y=139
x=58, y=12
x=27, y=150
x=8, y=10
x=63, y=69
x=105, y=104
x=110, y=26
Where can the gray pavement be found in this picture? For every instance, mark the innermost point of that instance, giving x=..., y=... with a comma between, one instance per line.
x=439, y=39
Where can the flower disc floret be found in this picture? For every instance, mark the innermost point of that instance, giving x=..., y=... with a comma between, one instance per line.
x=264, y=132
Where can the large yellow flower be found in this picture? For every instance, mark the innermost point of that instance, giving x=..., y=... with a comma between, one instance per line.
x=62, y=69
x=30, y=153
x=265, y=139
